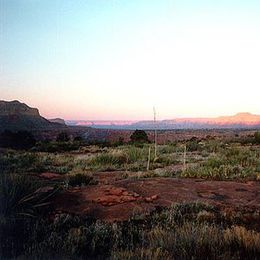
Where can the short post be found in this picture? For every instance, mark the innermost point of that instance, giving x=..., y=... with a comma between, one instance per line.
x=149, y=158
x=184, y=158
x=155, y=133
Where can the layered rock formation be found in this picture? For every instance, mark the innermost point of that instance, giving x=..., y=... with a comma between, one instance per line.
x=240, y=120
x=17, y=116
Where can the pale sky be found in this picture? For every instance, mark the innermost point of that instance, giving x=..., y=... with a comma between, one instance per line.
x=115, y=60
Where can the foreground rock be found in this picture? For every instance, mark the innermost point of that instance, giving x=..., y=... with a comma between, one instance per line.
x=50, y=176
x=120, y=199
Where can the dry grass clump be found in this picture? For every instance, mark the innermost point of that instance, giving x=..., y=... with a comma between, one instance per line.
x=141, y=253
x=179, y=232
x=196, y=241
x=109, y=160
x=240, y=237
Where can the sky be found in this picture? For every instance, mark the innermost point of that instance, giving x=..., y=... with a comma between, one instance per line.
x=117, y=59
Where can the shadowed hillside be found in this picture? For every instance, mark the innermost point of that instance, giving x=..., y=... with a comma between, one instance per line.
x=17, y=116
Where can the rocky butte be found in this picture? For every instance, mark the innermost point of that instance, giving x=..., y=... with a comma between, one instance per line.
x=17, y=116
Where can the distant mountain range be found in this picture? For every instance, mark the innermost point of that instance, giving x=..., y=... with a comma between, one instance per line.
x=16, y=116
x=240, y=120
x=100, y=123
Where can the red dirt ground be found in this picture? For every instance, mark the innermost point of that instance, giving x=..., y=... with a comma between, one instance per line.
x=116, y=199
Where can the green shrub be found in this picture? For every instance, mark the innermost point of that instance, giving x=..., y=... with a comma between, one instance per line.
x=193, y=146
x=257, y=137
x=135, y=154
x=139, y=136
x=167, y=149
x=233, y=162
x=214, y=162
x=114, y=158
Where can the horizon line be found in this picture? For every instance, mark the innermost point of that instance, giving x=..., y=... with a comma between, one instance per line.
x=136, y=120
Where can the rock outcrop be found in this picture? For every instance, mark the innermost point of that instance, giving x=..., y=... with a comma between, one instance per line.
x=14, y=108
x=17, y=116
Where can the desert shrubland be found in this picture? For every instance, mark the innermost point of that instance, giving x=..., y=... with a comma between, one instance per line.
x=30, y=229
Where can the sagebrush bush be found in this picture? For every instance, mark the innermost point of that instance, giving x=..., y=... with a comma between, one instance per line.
x=110, y=159
x=135, y=154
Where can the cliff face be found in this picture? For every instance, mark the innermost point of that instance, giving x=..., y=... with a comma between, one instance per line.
x=16, y=108
x=16, y=116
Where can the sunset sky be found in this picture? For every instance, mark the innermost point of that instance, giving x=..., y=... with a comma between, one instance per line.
x=116, y=59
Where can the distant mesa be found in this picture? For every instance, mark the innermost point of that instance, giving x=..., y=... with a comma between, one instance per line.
x=101, y=123
x=16, y=108
x=58, y=120
x=17, y=116
x=240, y=120
x=246, y=118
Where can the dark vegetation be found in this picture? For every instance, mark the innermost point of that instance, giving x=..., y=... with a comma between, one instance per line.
x=30, y=228
x=250, y=139
x=182, y=231
x=80, y=179
x=257, y=138
x=23, y=200
x=30, y=163
x=63, y=143
x=139, y=136
x=24, y=140
x=54, y=146
x=63, y=137
x=17, y=140
x=228, y=162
